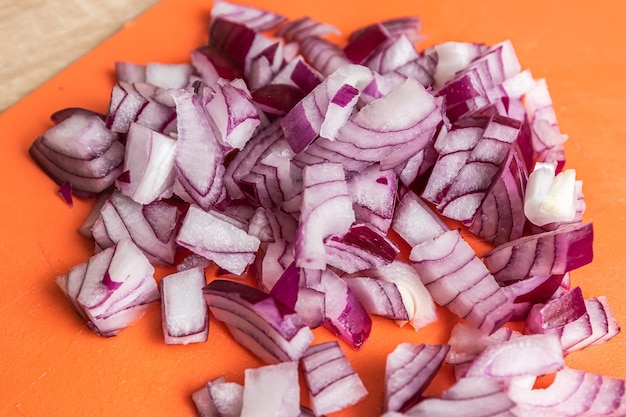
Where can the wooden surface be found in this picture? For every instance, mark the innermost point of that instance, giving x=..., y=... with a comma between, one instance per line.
x=41, y=37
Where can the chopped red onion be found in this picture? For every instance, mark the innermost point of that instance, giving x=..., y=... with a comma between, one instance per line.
x=550, y=197
x=542, y=355
x=469, y=397
x=417, y=301
x=123, y=218
x=231, y=110
x=252, y=17
x=378, y=297
x=408, y=371
x=332, y=382
x=326, y=210
x=457, y=279
x=113, y=289
x=214, y=238
x=184, y=311
x=267, y=327
x=304, y=27
x=323, y=55
x=547, y=253
x=271, y=391
x=149, y=164
x=572, y=393
x=344, y=315
x=198, y=157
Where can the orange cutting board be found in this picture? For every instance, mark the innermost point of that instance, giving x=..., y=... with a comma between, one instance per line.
x=52, y=365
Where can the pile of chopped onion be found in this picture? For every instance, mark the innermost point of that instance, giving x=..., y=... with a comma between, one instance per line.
x=279, y=155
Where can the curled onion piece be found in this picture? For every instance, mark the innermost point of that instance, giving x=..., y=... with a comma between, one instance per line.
x=469, y=397
x=542, y=355
x=408, y=371
x=326, y=210
x=602, y=322
x=184, y=311
x=332, y=382
x=80, y=150
x=148, y=164
x=264, y=325
x=572, y=393
x=210, y=235
x=457, y=279
x=198, y=158
x=416, y=299
x=271, y=391
x=388, y=130
x=547, y=253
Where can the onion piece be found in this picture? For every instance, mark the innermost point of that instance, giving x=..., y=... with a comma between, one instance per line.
x=326, y=108
x=469, y=397
x=198, y=157
x=572, y=393
x=80, y=150
x=344, y=315
x=417, y=301
x=457, y=279
x=378, y=297
x=326, y=210
x=230, y=107
x=271, y=391
x=323, y=55
x=184, y=311
x=361, y=247
x=264, y=325
x=542, y=355
x=373, y=192
x=123, y=218
x=547, y=253
x=408, y=371
x=332, y=382
x=550, y=197
x=149, y=164
x=211, y=236
x=111, y=290
x=299, y=29
x=253, y=17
